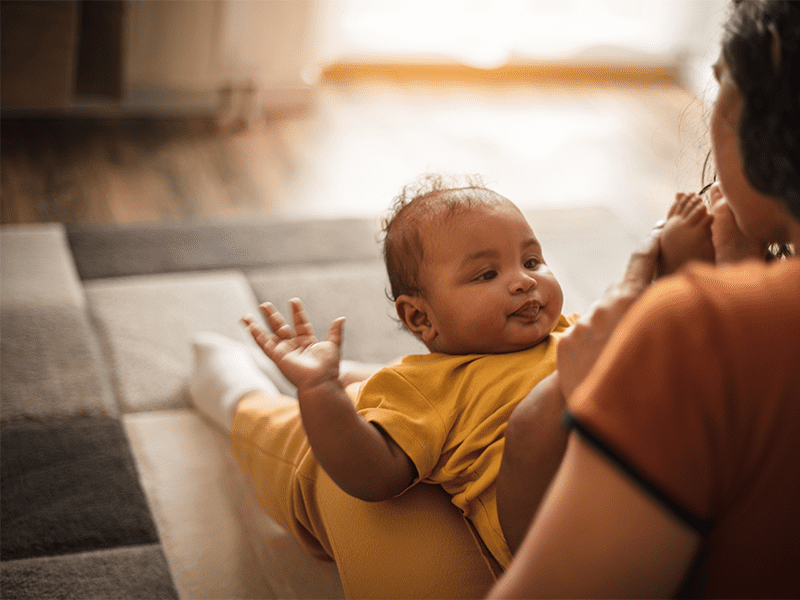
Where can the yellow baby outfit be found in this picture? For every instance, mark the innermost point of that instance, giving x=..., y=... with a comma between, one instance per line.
x=449, y=414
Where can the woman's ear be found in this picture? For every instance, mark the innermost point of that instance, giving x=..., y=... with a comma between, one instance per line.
x=413, y=312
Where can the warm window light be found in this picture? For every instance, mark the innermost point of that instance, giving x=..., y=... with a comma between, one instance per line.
x=672, y=34
x=490, y=33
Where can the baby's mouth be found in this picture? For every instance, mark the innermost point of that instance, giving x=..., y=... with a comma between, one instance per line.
x=528, y=311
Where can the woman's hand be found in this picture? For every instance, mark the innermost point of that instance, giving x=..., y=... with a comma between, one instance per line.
x=302, y=359
x=580, y=347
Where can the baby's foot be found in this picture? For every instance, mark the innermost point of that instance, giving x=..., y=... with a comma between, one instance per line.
x=224, y=371
x=686, y=235
x=731, y=245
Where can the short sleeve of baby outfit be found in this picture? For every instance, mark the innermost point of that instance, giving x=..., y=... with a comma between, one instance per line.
x=392, y=402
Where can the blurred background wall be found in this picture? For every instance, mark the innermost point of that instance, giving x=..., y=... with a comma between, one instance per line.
x=244, y=55
x=163, y=55
x=656, y=34
x=128, y=111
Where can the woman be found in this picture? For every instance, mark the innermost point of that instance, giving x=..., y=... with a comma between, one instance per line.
x=680, y=475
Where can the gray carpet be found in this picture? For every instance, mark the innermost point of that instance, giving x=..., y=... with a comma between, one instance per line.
x=132, y=572
x=74, y=519
x=75, y=522
x=69, y=486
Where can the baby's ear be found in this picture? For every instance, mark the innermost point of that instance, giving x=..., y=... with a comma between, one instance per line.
x=413, y=312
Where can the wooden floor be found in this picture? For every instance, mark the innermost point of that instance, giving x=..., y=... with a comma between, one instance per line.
x=629, y=147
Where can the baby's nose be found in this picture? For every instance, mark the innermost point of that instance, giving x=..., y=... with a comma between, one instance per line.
x=522, y=283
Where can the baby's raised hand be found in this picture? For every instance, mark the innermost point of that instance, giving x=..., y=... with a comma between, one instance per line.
x=302, y=359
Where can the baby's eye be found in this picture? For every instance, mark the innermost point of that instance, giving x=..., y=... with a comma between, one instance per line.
x=487, y=276
x=531, y=263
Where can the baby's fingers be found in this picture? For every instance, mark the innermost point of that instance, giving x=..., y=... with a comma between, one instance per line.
x=336, y=332
x=265, y=341
x=302, y=326
x=276, y=322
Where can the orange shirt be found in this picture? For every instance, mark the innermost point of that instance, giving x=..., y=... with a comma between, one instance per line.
x=698, y=398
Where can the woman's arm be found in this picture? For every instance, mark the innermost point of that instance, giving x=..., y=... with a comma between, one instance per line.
x=599, y=535
x=535, y=441
x=360, y=457
x=596, y=533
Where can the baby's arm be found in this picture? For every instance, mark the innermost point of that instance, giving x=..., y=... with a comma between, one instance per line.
x=360, y=457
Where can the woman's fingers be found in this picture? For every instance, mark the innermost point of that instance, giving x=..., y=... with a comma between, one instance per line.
x=675, y=207
x=715, y=194
x=582, y=345
x=642, y=264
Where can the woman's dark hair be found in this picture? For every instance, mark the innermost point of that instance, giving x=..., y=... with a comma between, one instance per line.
x=761, y=46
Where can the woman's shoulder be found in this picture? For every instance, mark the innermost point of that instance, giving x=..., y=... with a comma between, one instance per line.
x=748, y=276
x=746, y=312
x=754, y=284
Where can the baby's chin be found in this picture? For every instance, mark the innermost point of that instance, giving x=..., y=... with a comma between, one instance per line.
x=504, y=347
x=522, y=346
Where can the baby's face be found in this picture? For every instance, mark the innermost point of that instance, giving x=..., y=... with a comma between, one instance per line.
x=487, y=287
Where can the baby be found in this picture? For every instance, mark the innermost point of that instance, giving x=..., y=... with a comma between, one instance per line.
x=469, y=279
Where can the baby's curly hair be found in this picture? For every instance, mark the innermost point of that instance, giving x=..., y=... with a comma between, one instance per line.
x=430, y=200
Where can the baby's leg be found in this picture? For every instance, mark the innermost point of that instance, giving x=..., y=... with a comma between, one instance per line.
x=730, y=243
x=267, y=436
x=272, y=449
x=224, y=372
x=686, y=234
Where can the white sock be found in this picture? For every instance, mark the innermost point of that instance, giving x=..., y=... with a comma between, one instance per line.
x=224, y=371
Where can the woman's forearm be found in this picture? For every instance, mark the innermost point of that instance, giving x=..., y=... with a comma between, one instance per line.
x=362, y=460
x=535, y=442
